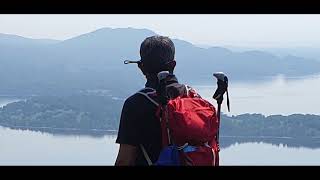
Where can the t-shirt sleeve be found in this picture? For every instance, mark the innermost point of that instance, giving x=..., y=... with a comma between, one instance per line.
x=128, y=132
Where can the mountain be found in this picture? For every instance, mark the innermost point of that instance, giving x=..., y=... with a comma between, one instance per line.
x=94, y=61
x=310, y=52
x=14, y=40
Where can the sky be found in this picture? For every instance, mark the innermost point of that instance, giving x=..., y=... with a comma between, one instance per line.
x=251, y=30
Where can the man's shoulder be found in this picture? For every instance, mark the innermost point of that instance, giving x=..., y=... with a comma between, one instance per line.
x=133, y=98
x=138, y=99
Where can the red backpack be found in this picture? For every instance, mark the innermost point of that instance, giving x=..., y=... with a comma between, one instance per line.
x=191, y=124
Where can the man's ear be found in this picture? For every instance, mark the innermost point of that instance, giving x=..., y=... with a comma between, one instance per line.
x=172, y=65
x=140, y=65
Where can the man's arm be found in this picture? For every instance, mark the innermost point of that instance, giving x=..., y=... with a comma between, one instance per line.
x=127, y=155
x=128, y=135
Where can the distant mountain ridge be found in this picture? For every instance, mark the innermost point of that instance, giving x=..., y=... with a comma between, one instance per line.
x=95, y=61
x=14, y=40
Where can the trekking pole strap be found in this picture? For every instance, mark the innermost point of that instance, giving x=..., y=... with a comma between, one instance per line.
x=228, y=101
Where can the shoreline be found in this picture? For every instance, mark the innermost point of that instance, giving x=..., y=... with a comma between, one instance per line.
x=55, y=128
x=115, y=131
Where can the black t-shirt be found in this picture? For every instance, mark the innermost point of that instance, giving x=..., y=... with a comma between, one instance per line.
x=139, y=124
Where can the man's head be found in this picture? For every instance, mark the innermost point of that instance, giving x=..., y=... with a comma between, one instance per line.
x=157, y=54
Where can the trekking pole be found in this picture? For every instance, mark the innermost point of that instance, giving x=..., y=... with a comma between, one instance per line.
x=222, y=82
x=162, y=90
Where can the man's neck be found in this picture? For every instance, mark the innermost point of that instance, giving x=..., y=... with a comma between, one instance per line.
x=152, y=82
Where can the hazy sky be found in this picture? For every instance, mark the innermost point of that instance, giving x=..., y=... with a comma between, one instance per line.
x=237, y=30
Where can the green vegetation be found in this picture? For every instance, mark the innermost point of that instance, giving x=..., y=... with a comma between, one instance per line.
x=295, y=125
x=78, y=111
x=102, y=112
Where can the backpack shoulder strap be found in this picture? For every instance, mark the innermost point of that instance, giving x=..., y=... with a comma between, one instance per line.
x=146, y=92
x=191, y=92
x=145, y=154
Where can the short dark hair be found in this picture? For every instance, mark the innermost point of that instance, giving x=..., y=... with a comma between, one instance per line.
x=156, y=52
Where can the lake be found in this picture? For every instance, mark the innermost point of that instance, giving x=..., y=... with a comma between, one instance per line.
x=24, y=147
x=277, y=96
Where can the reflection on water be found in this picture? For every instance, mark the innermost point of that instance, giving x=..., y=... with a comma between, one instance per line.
x=259, y=153
x=27, y=147
x=63, y=132
x=312, y=143
x=226, y=141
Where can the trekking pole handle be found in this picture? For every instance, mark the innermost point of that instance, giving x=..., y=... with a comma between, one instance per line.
x=222, y=82
x=162, y=76
x=221, y=76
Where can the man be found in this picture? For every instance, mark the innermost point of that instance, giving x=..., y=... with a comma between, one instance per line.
x=139, y=124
